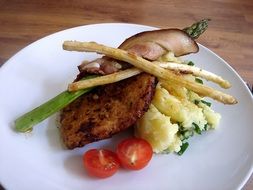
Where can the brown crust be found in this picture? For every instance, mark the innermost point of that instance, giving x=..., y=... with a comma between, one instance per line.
x=106, y=111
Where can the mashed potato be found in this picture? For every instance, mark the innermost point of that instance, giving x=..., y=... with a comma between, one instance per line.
x=158, y=130
x=174, y=112
x=170, y=57
x=181, y=111
x=211, y=117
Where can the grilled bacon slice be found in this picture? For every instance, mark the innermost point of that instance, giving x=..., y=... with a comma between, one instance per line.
x=150, y=45
x=153, y=44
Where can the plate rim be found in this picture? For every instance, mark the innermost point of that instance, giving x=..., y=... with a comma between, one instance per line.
x=9, y=60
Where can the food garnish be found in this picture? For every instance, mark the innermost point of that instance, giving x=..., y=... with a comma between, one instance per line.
x=101, y=163
x=134, y=153
x=131, y=153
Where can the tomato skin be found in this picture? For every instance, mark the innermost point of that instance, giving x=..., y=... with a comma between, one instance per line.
x=101, y=163
x=134, y=153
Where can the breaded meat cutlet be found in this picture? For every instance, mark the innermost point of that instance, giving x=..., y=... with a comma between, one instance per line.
x=106, y=111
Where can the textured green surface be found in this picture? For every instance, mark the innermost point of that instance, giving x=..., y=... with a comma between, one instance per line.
x=26, y=122
x=197, y=28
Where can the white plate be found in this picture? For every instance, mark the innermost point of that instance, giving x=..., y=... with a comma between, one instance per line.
x=220, y=159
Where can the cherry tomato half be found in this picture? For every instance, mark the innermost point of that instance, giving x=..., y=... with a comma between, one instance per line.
x=101, y=163
x=134, y=153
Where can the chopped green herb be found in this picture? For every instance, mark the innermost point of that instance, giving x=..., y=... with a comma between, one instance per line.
x=184, y=146
x=198, y=80
x=190, y=63
x=180, y=127
x=196, y=102
x=181, y=136
x=188, y=134
x=196, y=128
x=166, y=151
x=207, y=103
x=206, y=127
x=184, y=134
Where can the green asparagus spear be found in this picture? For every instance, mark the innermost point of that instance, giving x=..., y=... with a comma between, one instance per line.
x=26, y=122
x=197, y=28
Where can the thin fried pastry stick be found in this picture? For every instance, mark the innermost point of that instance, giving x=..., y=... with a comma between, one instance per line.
x=148, y=67
x=121, y=75
x=196, y=72
x=106, y=79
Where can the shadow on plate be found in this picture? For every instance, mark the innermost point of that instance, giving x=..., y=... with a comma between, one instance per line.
x=1, y=187
x=53, y=133
x=74, y=163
